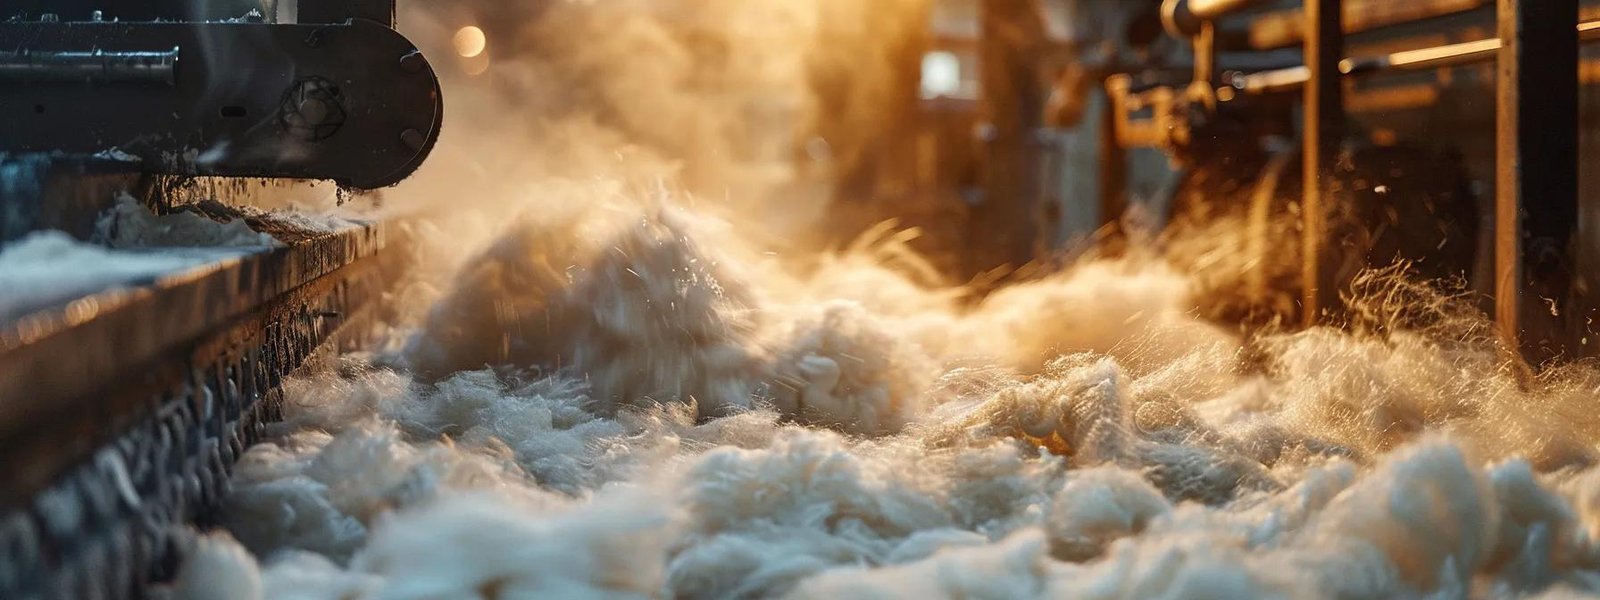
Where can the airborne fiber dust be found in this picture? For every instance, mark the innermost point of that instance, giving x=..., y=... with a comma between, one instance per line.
x=621, y=392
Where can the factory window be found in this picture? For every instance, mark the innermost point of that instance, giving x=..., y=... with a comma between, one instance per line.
x=941, y=74
x=949, y=74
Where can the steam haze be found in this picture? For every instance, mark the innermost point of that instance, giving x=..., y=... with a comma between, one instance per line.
x=623, y=366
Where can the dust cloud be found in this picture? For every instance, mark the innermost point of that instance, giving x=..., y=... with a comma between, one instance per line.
x=617, y=371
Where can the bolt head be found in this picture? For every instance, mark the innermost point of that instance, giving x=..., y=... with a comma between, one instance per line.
x=413, y=139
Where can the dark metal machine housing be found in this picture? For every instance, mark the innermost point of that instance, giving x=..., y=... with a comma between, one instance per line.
x=351, y=101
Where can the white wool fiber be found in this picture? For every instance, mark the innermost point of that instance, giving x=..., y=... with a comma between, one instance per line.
x=127, y=224
x=623, y=370
x=49, y=268
x=865, y=463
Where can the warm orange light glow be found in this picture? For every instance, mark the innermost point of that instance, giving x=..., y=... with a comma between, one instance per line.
x=475, y=65
x=470, y=41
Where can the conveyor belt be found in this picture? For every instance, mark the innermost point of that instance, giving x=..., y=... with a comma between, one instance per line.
x=122, y=413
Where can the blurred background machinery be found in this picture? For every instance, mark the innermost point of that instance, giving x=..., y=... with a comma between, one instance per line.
x=1278, y=146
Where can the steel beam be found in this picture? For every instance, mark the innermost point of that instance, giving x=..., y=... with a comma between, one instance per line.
x=1324, y=120
x=1536, y=187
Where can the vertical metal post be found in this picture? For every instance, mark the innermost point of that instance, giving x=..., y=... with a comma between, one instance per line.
x=1003, y=227
x=1324, y=120
x=1205, y=53
x=1536, y=188
x=1113, y=169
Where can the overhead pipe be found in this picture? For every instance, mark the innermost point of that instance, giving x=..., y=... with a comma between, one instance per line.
x=1450, y=55
x=1214, y=9
x=1286, y=28
x=1184, y=18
